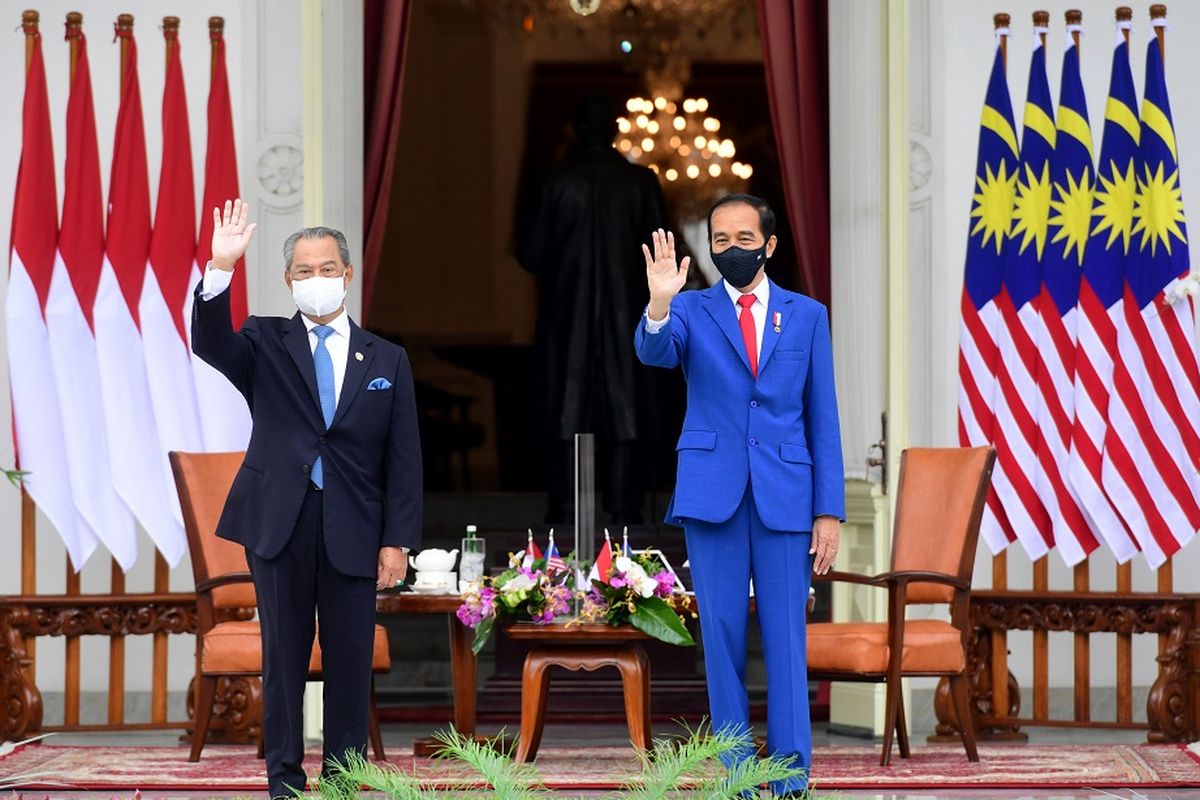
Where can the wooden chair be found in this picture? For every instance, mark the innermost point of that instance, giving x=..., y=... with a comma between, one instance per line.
x=227, y=647
x=939, y=505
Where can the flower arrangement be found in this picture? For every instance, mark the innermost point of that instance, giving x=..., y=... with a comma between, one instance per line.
x=640, y=591
x=522, y=592
x=637, y=589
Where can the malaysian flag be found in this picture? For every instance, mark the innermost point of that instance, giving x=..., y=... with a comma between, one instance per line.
x=1100, y=311
x=554, y=562
x=1067, y=229
x=1015, y=432
x=1151, y=463
x=991, y=220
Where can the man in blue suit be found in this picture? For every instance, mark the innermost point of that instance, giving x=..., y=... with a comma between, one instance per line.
x=759, y=490
x=328, y=499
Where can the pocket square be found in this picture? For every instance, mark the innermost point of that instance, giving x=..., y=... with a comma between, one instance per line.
x=379, y=384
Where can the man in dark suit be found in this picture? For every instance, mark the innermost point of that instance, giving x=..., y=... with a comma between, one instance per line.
x=760, y=487
x=328, y=500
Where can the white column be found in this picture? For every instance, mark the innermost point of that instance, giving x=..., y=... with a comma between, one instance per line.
x=331, y=128
x=868, y=45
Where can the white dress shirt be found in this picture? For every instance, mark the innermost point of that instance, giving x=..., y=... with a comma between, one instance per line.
x=337, y=343
x=762, y=294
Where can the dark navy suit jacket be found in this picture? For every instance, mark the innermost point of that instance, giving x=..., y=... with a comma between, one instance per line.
x=779, y=432
x=371, y=454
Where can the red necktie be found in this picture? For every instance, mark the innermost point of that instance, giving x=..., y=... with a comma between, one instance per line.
x=746, y=322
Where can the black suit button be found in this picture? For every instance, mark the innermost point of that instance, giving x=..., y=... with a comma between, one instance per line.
x=321, y=440
x=305, y=469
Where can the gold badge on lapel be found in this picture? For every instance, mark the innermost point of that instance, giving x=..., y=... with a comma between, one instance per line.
x=776, y=320
x=359, y=356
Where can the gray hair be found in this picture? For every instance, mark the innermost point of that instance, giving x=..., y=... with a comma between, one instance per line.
x=315, y=232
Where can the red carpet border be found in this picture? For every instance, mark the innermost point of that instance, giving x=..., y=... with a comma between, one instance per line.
x=226, y=768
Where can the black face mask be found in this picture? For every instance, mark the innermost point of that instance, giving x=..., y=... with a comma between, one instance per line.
x=739, y=265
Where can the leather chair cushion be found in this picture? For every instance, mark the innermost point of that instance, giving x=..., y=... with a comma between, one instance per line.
x=236, y=648
x=930, y=645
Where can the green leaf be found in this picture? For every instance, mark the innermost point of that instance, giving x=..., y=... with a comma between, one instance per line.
x=655, y=618
x=483, y=632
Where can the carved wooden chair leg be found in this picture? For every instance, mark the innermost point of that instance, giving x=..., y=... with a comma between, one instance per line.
x=960, y=689
x=535, y=684
x=373, y=722
x=635, y=679
x=206, y=692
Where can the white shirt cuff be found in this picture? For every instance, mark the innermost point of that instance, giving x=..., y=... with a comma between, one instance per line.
x=653, y=326
x=215, y=281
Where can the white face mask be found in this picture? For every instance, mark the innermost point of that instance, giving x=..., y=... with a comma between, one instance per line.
x=318, y=296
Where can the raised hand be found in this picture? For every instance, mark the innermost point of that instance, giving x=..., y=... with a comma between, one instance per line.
x=664, y=278
x=231, y=234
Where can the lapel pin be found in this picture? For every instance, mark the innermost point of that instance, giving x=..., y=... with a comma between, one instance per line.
x=776, y=320
x=359, y=356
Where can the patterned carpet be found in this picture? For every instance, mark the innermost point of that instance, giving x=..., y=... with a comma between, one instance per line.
x=225, y=768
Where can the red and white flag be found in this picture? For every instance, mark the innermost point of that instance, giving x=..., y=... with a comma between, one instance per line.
x=224, y=415
x=168, y=279
x=135, y=453
x=37, y=420
x=69, y=320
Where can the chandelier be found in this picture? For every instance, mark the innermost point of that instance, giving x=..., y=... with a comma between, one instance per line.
x=682, y=144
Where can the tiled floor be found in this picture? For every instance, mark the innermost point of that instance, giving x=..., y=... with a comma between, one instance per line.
x=398, y=737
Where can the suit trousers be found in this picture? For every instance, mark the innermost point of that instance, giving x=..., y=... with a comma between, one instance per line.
x=723, y=557
x=293, y=589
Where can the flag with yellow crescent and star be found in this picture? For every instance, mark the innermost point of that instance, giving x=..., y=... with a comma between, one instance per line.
x=1154, y=413
x=1099, y=310
x=991, y=220
x=1067, y=229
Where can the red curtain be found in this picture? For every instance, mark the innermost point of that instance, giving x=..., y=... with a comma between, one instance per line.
x=795, y=42
x=385, y=37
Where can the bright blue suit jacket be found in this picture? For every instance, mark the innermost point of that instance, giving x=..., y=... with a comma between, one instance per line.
x=779, y=432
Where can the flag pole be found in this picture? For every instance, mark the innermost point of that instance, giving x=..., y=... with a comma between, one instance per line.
x=216, y=32
x=1158, y=11
x=1081, y=573
x=116, y=645
x=1124, y=14
x=74, y=26
x=162, y=572
x=1158, y=19
x=1041, y=19
x=29, y=24
x=1001, y=22
x=999, y=560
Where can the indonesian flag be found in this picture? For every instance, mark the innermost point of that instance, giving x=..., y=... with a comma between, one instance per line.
x=37, y=420
x=224, y=415
x=531, y=553
x=168, y=281
x=69, y=319
x=135, y=454
x=603, y=564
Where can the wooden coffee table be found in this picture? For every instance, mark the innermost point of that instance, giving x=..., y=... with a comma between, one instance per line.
x=586, y=647
x=463, y=667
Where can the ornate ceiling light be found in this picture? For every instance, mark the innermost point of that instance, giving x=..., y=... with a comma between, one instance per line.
x=682, y=143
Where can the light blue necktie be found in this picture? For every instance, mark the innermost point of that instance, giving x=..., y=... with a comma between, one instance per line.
x=324, y=367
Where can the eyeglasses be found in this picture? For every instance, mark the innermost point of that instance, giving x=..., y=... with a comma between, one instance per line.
x=325, y=271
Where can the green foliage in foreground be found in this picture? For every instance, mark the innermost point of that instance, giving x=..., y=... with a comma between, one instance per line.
x=687, y=768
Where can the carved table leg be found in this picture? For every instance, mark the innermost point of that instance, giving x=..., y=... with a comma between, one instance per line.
x=20, y=700
x=535, y=684
x=635, y=679
x=1168, y=707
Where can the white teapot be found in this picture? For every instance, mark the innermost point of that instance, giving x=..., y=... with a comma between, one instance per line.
x=435, y=560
